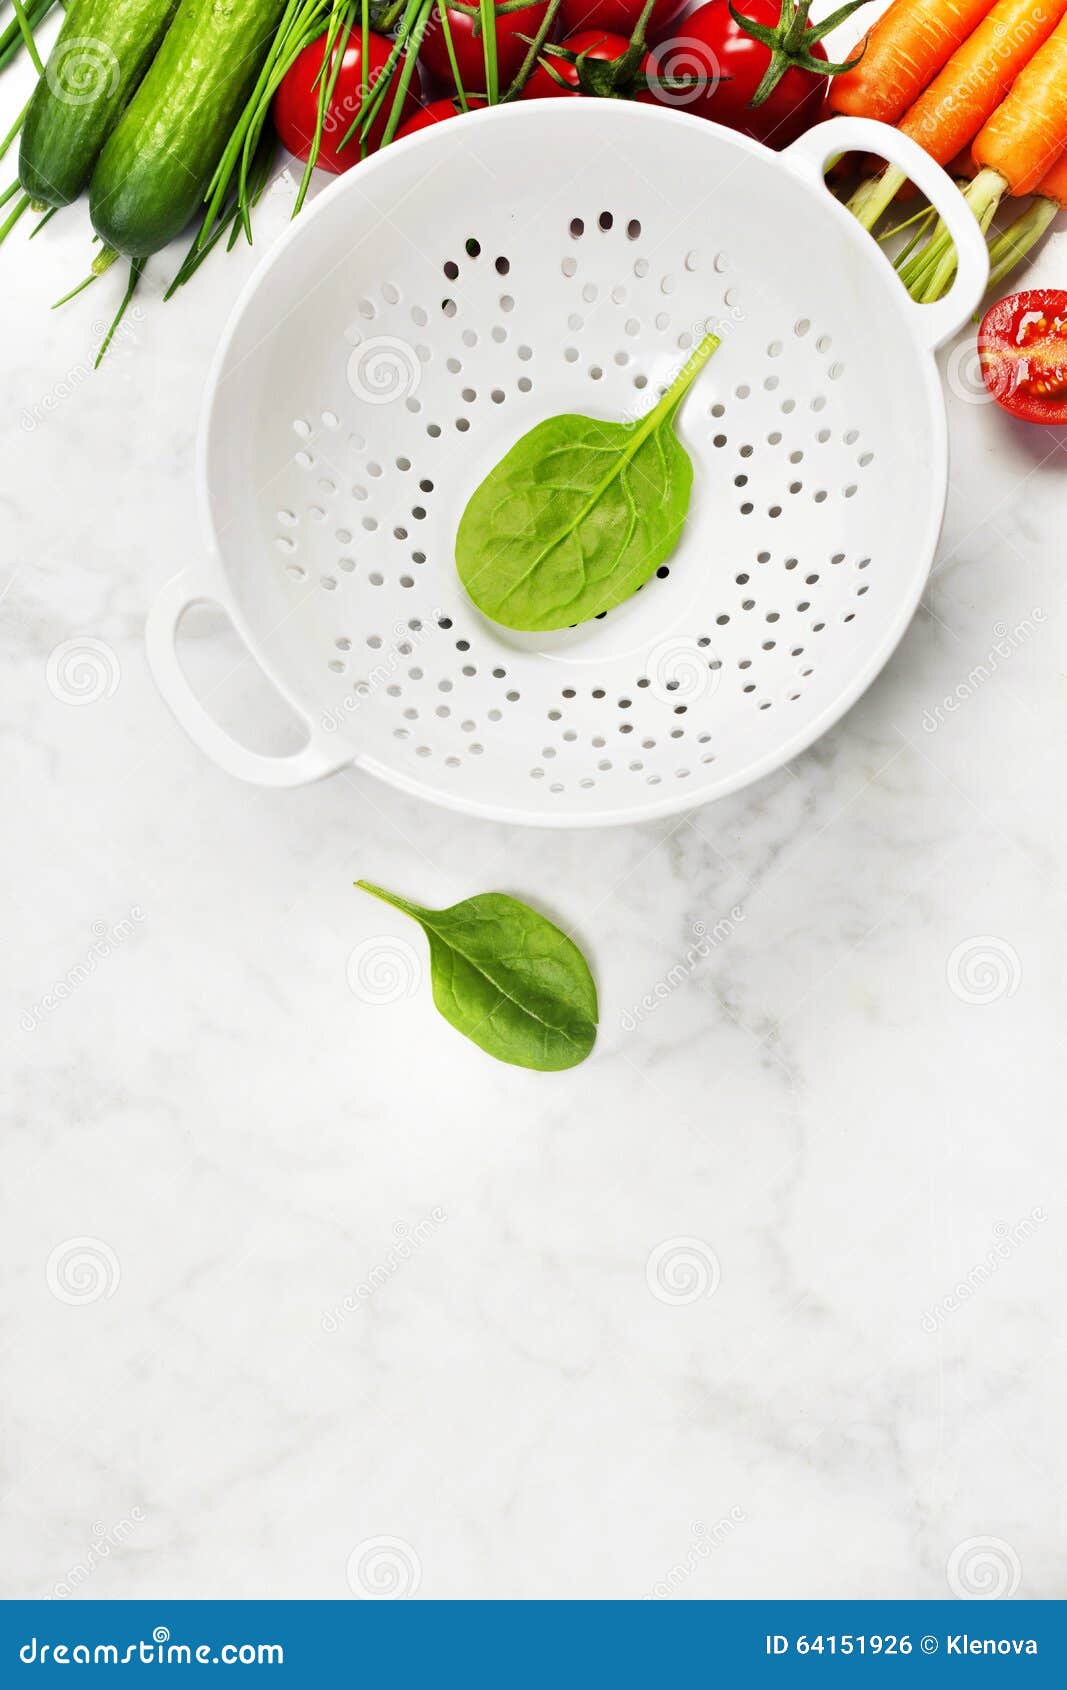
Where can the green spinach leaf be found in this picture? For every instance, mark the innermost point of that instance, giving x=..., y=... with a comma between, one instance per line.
x=578, y=514
x=508, y=979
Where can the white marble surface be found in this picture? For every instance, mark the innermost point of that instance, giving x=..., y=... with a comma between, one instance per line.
x=844, y=1109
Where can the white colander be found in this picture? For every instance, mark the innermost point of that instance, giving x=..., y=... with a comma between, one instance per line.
x=563, y=255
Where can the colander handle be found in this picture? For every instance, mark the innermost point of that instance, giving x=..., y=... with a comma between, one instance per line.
x=320, y=756
x=934, y=324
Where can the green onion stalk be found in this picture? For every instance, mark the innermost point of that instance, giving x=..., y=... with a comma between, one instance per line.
x=13, y=37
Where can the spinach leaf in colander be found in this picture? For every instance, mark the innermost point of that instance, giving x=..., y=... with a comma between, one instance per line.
x=578, y=514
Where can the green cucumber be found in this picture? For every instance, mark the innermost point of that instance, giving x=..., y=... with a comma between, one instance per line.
x=100, y=55
x=159, y=160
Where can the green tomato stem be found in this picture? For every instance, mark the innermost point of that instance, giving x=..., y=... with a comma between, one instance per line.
x=544, y=29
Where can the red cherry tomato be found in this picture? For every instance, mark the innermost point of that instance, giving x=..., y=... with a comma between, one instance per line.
x=438, y=111
x=469, y=48
x=296, y=104
x=1022, y=344
x=619, y=16
x=709, y=44
x=588, y=44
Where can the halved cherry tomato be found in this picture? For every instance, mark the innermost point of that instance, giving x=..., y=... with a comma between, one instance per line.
x=465, y=27
x=296, y=104
x=621, y=17
x=1022, y=344
x=598, y=44
x=713, y=47
x=438, y=111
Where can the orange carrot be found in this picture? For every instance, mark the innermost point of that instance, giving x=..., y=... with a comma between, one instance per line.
x=1054, y=185
x=1015, y=152
x=901, y=53
x=1028, y=131
x=950, y=113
